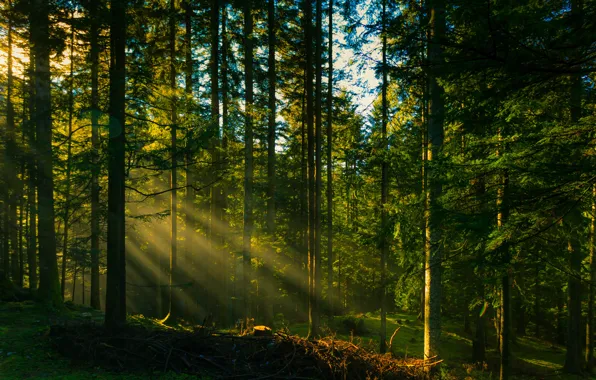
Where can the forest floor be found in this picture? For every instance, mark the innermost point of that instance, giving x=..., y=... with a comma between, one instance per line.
x=26, y=350
x=532, y=358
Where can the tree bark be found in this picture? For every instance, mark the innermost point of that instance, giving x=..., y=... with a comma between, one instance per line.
x=248, y=156
x=224, y=149
x=316, y=306
x=190, y=220
x=384, y=185
x=11, y=160
x=115, y=315
x=330, y=293
x=271, y=135
x=174, y=277
x=573, y=358
x=49, y=285
x=434, y=255
x=312, y=321
x=32, y=171
x=95, y=168
x=68, y=156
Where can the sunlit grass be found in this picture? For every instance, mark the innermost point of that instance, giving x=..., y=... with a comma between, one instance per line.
x=532, y=357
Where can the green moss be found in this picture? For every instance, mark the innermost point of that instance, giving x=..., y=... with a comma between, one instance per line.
x=25, y=350
x=533, y=358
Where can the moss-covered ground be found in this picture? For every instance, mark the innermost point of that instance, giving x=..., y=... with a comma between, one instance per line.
x=26, y=351
x=532, y=358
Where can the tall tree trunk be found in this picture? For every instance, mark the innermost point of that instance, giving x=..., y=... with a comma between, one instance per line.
x=116, y=261
x=190, y=194
x=173, y=312
x=271, y=122
x=434, y=255
x=384, y=186
x=479, y=342
x=49, y=285
x=590, y=316
x=318, y=166
x=312, y=322
x=95, y=168
x=537, y=309
x=68, y=157
x=11, y=160
x=215, y=188
x=224, y=149
x=330, y=295
x=248, y=157
x=32, y=171
x=573, y=358
x=304, y=205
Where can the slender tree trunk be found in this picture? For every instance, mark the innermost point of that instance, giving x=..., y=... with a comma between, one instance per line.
x=173, y=312
x=49, y=285
x=23, y=225
x=590, y=316
x=384, y=187
x=190, y=194
x=95, y=168
x=83, y=284
x=479, y=342
x=304, y=205
x=74, y=281
x=271, y=122
x=224, y=148
x=425, y=198
x=6, y=236
x=248, y=156
x=330, y=295
x=68, y=157
x=11, y=162
x=434, y=255
x=573, y=358
x=215, y=188
x=312, y=321
x=116, y=280
x=318, y=168
x=537, y=309
x=32, y=184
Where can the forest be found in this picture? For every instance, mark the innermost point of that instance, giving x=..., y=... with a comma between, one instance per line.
x=313, y=171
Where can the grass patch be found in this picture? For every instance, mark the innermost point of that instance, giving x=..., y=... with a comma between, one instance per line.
x=532, y=358
x=26, y=352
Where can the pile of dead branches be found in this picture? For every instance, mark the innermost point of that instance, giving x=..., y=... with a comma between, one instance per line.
x=136, y=348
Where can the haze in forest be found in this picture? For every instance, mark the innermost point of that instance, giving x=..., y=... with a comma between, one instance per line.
x=278, y=163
